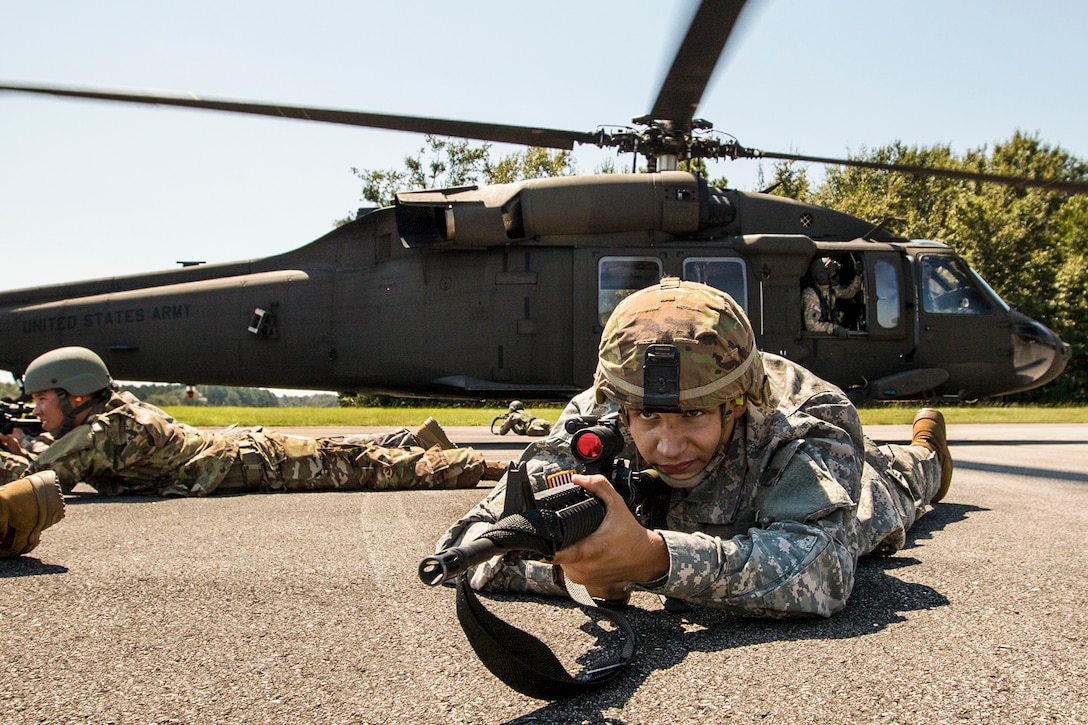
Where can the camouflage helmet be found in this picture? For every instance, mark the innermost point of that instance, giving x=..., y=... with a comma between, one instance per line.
x=678, y=346
x=77, y=370
x=516, y=405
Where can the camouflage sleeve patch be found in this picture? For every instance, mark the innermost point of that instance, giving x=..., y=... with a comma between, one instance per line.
x=802, y=489
x=811, y=312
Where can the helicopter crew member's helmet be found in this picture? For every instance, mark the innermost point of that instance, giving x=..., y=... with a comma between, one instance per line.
x=75, y=370
x=679, y=346
x=824, y=271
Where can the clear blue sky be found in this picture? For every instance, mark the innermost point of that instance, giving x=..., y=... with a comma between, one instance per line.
x=90, y=189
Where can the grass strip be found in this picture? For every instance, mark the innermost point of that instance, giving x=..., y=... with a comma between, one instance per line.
x=393, y=417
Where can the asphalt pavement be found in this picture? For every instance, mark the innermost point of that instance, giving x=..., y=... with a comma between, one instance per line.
x=307, y=608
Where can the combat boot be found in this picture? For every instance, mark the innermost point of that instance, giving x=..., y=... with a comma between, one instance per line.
x=430, y=434
x=929, y=431
x=28, y=507
x=495, y=470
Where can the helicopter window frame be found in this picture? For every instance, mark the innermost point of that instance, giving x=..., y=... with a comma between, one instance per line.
x=948, y=286
x=740, y=295
x=611, y=274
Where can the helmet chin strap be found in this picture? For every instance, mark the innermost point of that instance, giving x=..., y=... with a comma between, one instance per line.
x=70, y=413
x=686, y=482
x=728, y=423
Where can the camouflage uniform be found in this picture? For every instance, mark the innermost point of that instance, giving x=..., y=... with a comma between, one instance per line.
x=524, y=423
x=818, y=309
x=776, y=529
x=127, y=446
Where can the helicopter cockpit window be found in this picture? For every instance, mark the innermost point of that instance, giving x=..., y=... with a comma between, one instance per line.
x=724, y=273
x=948, y=287
x=618, y=277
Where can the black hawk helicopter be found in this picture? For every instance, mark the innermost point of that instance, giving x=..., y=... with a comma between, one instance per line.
x=527, y=273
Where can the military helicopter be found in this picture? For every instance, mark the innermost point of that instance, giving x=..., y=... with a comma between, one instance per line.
x=527, y=274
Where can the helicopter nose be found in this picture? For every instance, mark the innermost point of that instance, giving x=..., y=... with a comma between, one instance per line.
x=1039, y=355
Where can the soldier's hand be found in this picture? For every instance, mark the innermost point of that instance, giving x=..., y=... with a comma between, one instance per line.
x=841, y=332
x=620, y=551
x=11, y=444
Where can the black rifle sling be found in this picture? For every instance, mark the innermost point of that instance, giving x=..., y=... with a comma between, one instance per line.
x=524, y=662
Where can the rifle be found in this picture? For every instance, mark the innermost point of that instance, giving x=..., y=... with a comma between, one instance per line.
x=503, y=428
x=18, y=414
x=537, y=526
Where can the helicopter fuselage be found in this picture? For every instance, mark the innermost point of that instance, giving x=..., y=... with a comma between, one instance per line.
x=502, y=292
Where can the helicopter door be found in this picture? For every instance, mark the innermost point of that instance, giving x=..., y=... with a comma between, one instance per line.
x=959, y=327
x=877, y=327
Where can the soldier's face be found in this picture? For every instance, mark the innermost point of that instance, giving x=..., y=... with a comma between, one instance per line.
x=47, y=409
x=679, y=445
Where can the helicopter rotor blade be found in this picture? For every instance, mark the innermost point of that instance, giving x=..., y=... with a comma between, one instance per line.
x=1021, y=182
x=694, y=63
x=494, y=132
x=522, y=135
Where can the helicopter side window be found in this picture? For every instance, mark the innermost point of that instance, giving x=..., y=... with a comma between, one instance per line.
x=886, y=278
x=617, y=277
x=949, y=288
x=724, y=273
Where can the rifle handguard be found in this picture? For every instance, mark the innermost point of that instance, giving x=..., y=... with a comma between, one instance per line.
x=566, y=515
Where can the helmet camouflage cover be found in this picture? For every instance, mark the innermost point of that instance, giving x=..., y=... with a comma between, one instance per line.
x=701, y=330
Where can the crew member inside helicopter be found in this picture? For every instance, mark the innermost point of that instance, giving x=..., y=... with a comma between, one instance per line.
x=824, y=299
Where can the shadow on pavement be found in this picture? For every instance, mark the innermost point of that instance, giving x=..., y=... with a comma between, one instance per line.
x=1022, y=471
x=878, y=600
x=28, y=566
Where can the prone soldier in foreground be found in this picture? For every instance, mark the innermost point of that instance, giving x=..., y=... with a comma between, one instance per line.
x=773, y=490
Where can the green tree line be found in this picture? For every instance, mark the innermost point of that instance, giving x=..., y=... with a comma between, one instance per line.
x=210, y=395
x=223, y=396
